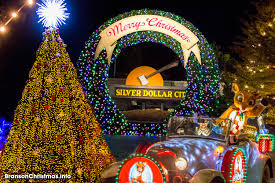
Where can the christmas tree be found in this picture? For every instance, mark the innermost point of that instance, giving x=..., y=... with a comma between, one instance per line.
x=256, y=49
x=54, y=131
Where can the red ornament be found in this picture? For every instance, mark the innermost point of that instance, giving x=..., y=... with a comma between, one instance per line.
x=38, y=66
x=66, y=67
x=61, y=151
x=61, y=100
x=54, y=62
x=80, y=128
x=46, y=106
x=43, y=140
x=61, y=89
x=53, y=97
x=46, y=64
x=81, y=139
x=33, y=110
x=59, y=137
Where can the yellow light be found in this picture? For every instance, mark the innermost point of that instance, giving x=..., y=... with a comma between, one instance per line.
x=14, y=15
x=261, y=70
x=30, y=2
x=270, y=24
x=220, y=149
x=2, y=29
x=181, y=163
x=246, y=86
x=262, y=86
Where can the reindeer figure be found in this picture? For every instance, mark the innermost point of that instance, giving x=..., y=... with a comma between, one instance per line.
x=140, y=169
x=246, y=105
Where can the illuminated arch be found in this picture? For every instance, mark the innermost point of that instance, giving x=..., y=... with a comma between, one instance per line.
x=93, y=67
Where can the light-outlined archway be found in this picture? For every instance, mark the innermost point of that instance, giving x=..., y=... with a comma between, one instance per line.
x=170, y=30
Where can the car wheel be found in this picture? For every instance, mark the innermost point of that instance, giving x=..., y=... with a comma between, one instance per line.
x=266, y=174
x=217, y=180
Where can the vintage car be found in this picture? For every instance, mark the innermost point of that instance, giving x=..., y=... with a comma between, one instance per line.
x=196, y=151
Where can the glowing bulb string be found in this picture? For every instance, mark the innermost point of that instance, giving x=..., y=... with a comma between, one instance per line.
x=14, y=15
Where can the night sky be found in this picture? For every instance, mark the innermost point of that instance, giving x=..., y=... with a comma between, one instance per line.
x=219, y=22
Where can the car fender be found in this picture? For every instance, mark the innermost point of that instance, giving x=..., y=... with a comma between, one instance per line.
x=255, y=173
x=205, y=176
x=111, y=170
x=267, y=160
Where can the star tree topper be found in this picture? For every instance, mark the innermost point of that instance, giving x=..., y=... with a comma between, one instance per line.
x=52, y=13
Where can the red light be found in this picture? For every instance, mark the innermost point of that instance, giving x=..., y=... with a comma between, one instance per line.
x=162, y=153
x=143, y=148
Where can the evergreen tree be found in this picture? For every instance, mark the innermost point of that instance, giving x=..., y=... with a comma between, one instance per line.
x=226, y=60
x=256, y=48
x=54, y=129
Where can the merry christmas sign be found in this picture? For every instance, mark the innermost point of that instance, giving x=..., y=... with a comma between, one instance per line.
x=157, y=23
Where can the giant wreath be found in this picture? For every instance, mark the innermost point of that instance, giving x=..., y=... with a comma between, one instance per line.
x=197, y=57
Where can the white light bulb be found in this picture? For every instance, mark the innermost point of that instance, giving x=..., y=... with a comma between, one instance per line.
x=181, y=163
x=2, y=29
x=14, y=15
x=30, y=2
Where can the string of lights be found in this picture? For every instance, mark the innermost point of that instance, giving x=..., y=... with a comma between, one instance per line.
x=14, y=14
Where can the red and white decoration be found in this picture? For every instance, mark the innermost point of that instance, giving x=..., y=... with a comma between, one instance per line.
x=265, y=145
x=234, y=166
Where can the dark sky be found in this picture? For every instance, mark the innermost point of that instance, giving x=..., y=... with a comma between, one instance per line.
x=218, y=22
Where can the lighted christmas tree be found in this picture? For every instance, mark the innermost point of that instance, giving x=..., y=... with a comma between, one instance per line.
x=256, y=48
x=54, y=131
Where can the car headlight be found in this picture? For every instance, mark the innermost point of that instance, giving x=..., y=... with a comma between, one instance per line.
x=181, y=163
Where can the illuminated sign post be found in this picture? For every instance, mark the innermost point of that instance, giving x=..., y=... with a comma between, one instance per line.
x=149, y=93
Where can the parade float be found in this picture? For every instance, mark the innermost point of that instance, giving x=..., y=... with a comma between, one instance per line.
x=200, y=149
